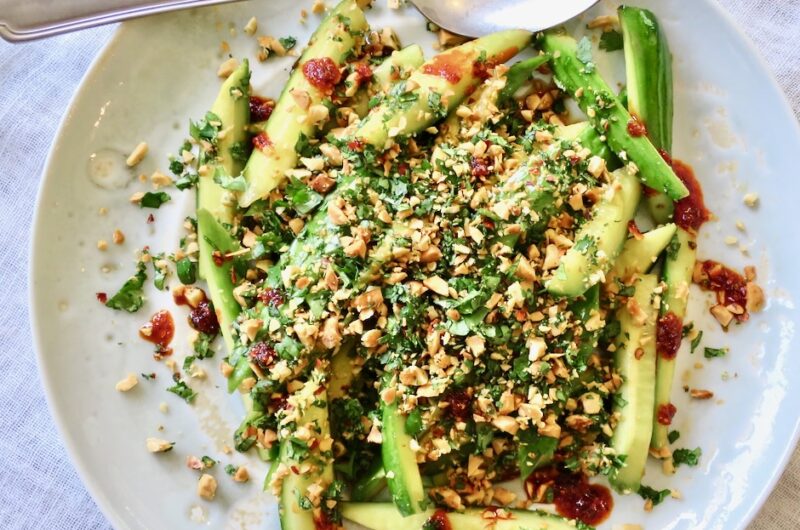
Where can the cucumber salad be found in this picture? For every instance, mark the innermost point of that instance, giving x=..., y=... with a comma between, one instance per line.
x=451, y=290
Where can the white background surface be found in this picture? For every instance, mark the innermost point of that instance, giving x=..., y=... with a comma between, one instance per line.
x=38, y=486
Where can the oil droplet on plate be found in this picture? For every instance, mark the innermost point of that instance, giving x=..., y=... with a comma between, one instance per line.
x=107, y=169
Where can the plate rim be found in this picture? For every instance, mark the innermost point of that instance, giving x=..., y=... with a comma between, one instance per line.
x=104, y=504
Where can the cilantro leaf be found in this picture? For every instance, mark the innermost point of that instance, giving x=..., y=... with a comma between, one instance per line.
x=534, y=451
x=690, y=457
x=696, y=341
x=302, y=198
x=611, y=41
x=288, y=42
x=182, y=390
x=710, y=353
x=228, y=182
x=653, y=495
x=130, y=297
x=154, y=199
x=673, y=436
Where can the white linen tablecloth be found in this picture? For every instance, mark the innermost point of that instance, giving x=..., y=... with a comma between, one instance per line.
x=39, y=488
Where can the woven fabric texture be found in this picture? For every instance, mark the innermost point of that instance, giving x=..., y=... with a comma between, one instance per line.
x=39, y=487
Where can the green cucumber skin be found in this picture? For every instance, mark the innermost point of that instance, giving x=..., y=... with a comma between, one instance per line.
x=375, y=127
x=648, y=63
x=400, y=463
x=607, y=229
x=677, y=274
x=633, y=431
x=369, y=486
x=220, y=285
x=265, y=170
x=234, y=113
x=611, y=119
x=292, y=516
x=518, y=74
x=384, y=516
x=639, y=255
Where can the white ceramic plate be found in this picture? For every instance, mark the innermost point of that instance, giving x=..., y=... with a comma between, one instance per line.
x=732, y=124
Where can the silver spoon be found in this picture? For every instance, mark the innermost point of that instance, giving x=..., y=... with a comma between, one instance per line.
x=34, y=19
x=473, y=18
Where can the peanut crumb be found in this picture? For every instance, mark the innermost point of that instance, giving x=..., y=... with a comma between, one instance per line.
x=227, y=67
x=157, y=445
x=102, y=244
x=751, y=200
x=126, y=384
x=241, y=475
x=251, y=27
x=118, y=237
x=207, y=487
x=137, y=155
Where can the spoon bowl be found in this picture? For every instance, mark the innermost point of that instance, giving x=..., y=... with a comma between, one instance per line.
x=473, y=18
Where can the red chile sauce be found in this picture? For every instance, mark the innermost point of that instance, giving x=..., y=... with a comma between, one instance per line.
x=101, y=297
x=691, y=211
x=261, y=141
x=323, y=522
x=322, y=73
x=730, y=286
x=203, y=318
x=363, y=73
x=668, y=335
x=261, y=108
x=636, y=127
x=574, y=497
x=162, y=329
x=438, y=521
x=449, y=66
x=665, y=413
x=482, y=69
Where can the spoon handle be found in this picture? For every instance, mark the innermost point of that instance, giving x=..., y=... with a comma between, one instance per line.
x=35, y=19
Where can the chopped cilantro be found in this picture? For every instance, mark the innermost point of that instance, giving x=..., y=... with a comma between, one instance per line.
x=130, y=297
x=653, y=495
x=288, y=42
x=154, y=199
x=182, y=390
x=611, y=41
x=302, y=198
x=696, y=341
x=534, y=451
x=673, y=436
x=710, y=353
x=690, y=457
x=230, y=469
x=228, y=182
x=208, y=462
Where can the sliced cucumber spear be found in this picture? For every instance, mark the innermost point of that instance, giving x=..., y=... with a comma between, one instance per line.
x=678, y=267
x=518, y=74
x=215, y=237
x=384, y=516
x=370, y=485
x=316, y=464
x=648, y=65
x=436, y=88
x=608, y=115
x=394, y=68
x=638, y=255
x=333, y=40
x=400, y=463
x=635, y=361
x=599, y=241
x=232, y=107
